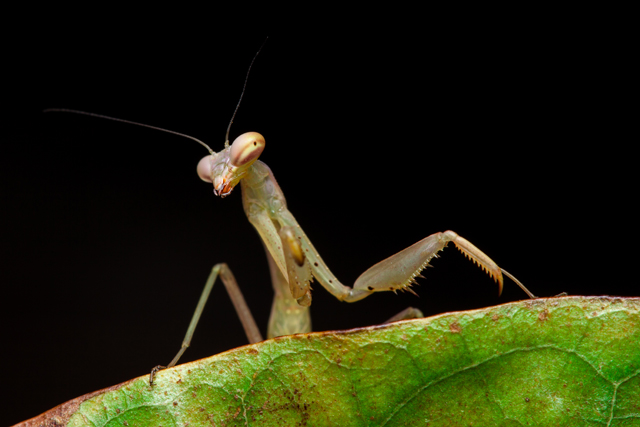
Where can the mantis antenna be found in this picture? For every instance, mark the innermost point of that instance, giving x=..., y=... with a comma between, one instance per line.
x=244, y=86
x=226, y=140
x=100, y=116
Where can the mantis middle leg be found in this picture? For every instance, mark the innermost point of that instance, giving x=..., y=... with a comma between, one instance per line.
x=239, y=303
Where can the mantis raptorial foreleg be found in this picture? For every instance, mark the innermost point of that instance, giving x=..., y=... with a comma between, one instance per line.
x=296, y=257
x=400, y=270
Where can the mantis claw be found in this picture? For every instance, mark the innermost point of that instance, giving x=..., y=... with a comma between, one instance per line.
x=478, y=257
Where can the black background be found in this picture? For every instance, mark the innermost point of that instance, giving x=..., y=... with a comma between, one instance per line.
x=511, y=137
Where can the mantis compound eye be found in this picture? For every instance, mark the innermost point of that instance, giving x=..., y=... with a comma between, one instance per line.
x=204, y=168
x=246, y=149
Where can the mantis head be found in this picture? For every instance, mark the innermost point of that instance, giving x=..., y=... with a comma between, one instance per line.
x=226, y=168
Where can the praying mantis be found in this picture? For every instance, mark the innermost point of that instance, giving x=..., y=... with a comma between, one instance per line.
x=293, y=261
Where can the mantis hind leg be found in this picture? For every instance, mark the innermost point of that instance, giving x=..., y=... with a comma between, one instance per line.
x=240, y=305
x=406, y=314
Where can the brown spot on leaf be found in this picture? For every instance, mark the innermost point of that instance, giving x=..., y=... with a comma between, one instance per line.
x=544, y=315
x=455, y=328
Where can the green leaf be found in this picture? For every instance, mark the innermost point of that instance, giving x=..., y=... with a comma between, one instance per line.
x=572, y=361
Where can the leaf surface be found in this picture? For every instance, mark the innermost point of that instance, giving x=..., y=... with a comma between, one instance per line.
x=572, y=361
